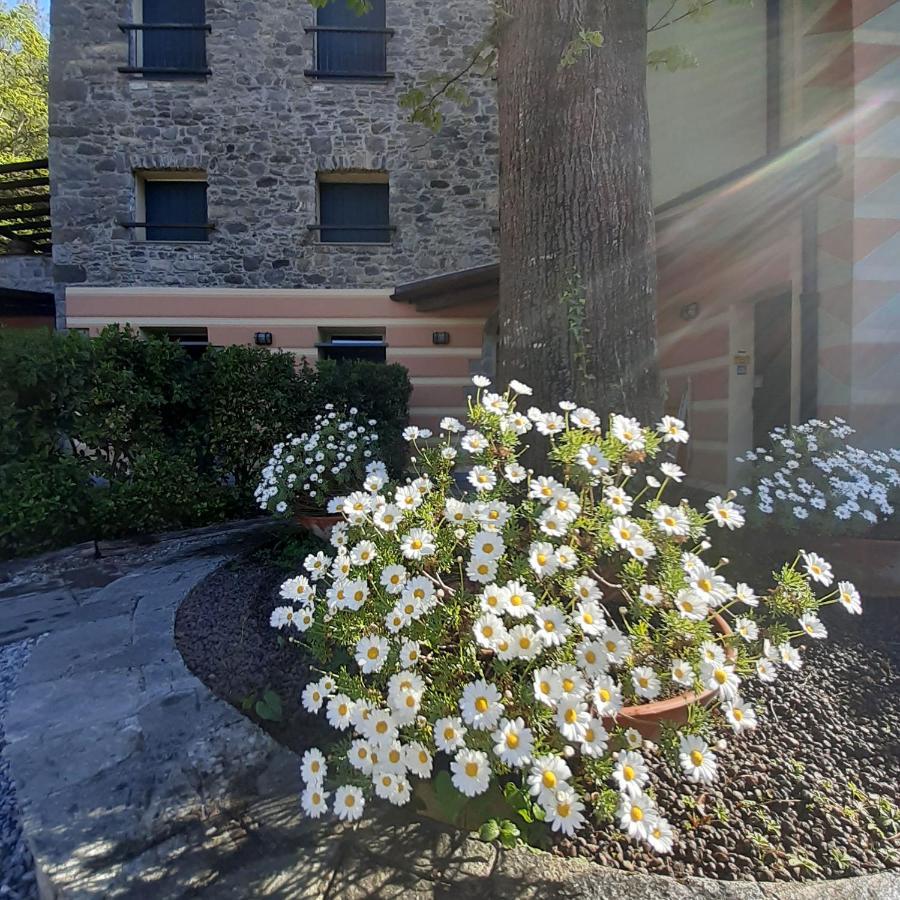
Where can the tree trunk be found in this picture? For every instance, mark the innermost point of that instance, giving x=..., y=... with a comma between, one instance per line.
x=577, y=259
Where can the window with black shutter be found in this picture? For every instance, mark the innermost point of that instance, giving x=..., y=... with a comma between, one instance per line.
x=354, y=212
x=343, y=347
x=350, y=44
x=173, y=209
x=169, y=41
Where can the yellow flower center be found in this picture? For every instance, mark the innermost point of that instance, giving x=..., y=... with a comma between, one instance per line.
x=487, y=631
x=471, y=769
x=687, y=606
x=515, y=600
x=587, y=618
x=668, y=520
x=372, y=653
x=696, y=757
x=316, y=798
x=610, y=646
x=449, y=734
x=362, y=753
x=419, y=594
x=410, y=701
x=314, y=767
x=416, y=544
x=590, y=657
x=487, y=548
x=738, y=715
x=358, y=596
x=423, y=757
x=483, y=568
x=571, y=716
x=637, y=814
x=395, y=579
x=524, y=642
x=604, y=695
x=512, y=741
x=409, y=609
x=386, y=780
x=342, y=709
x=350, y=800
x=589, y=735
x=549, y=626
x=567, y=685
x=493, y=515
x=394, y=756
x=563, y=809
x=549, y=780
x=381, y=727
x=562, y=505
x=705, y=584
x=481, y=704
x=545, y=687
x=643, y=681
x=625, y=534
x=628, y=773
x=542, y=559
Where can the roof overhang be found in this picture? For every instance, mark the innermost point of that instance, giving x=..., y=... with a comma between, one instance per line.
x=744, y=204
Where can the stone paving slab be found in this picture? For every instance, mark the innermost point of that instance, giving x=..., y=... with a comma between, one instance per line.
x=136, y=782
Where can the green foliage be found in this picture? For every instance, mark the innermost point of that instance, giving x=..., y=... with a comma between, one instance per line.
x=582, y=43
x=125, y=434
x=269, y=706
x=24, y=84
x=672, y=59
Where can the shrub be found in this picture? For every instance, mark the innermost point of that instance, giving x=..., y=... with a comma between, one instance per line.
x=378, y=391
x=809, y=477
x=508, y=629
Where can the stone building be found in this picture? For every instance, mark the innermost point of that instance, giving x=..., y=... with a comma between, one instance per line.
x=234, y=170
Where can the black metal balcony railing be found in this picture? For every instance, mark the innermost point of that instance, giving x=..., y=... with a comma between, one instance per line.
x=181, y=232
x=173, y=49
x=25, y=207
x=346, y=52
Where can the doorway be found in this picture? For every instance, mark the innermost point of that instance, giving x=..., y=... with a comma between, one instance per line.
x=772, y=366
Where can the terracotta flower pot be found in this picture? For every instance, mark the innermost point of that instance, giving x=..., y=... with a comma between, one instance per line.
x=319, y=525
x=648, y=717
x=872, y=565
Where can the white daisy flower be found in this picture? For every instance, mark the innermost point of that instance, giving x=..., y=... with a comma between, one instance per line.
x=513, y=742
x=590, y=457
x=456, y=511
x=637, y=816
x=585, y=418
x=766, y=670
x=418, y=759
x=744, y=593
x=481, y=381
x=790, y=656
x=739, y=715
x=817, y=568
x=393, y=578
x=720, y=678
x=628, y=431
x=349, y=803
x=848, y=597
x=454, y=426
x=616, y=645
x=572, y=717
x=566, y=557
x=646, y=682
x=449, y=733
x=297, y=589
x=516, y=600
x=642, y=549
x=634, y=740
x=672, y=429
x=591, y=658
x=542, y=559
x=563, y=812
x=813, y=626
x=617, y=500
x=371, y=653
x=606, y=696
x=471, y=772
x=314, y=801
x=630, y=773
x=359, y=755
x=482, y=478
x=590, y=617
x=488, y=544
x=547, y=776
x=480, y=705
x=409, y=654
x=727, y=514
x=671, y=520
x=387, y=517
x=546, y=686
x=746, y=628
x=661, y=837
x=552, y=625
x=514, y=473
x=312, y=697
x=594, y=739
x=587, y=589
x=682, y=673
x=650, y=594
x=525, y=642
x=673, y=472
x=550, y=423
x=417, y=544
x=521, y=389
x=339, y=712
x=313, y=768
x=475, y=442
x=624, y=532
x=481, y=569
x=543, y=488
x=697, y=761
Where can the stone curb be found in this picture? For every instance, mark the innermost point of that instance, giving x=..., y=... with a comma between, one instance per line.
x=135, y=781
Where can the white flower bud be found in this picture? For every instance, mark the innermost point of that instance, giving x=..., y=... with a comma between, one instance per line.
x=721, y=744
x=441, y=592
x=412, y=459
x=568, y=751
x=459, y=559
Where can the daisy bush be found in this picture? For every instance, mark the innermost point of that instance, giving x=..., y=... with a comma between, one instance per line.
x=306, y=472
x=495, y=639
x=809, y=476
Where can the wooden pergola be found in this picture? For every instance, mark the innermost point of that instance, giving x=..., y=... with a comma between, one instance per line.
x=25, y=207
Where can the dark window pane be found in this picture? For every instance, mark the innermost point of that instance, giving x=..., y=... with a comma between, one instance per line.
x=351, y=51
x=181, y=203
x=374, y=353
x=174, y=49
x=356, y=213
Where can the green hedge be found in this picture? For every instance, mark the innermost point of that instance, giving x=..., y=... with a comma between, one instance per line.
x=123, y=434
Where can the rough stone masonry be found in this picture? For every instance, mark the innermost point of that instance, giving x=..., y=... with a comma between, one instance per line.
x=261, y=129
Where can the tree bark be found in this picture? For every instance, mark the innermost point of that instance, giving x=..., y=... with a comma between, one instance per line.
x=576, y=216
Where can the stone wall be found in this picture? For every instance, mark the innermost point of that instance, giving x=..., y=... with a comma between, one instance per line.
x=26, y=273
x=262, y=129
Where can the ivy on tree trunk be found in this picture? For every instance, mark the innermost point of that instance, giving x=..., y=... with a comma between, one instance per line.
x=577, y=256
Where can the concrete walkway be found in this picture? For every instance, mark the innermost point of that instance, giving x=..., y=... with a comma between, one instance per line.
x=134, y=781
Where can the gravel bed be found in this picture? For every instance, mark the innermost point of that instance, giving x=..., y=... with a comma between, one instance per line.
x=797, y=799
x=17, y=878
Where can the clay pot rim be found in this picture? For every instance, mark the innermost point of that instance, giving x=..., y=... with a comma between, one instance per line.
x=663, y=709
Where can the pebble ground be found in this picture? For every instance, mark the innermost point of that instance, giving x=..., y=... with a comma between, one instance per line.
x=17, y=878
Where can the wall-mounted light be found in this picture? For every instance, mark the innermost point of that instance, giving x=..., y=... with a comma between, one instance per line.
x=440, y=337
x=689, y=311
x=264, y=338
